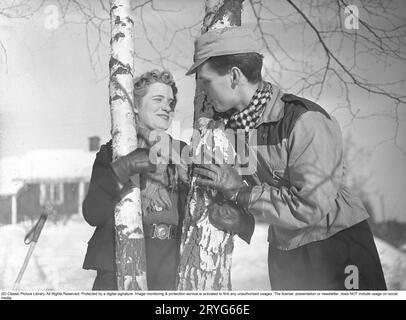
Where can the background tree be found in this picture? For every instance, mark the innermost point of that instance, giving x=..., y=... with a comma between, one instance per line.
x=336, y=55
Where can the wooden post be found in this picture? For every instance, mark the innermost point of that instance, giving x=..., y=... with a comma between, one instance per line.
x=81, y=196
x=14, y=218
x=130, y=246
x=206, y=252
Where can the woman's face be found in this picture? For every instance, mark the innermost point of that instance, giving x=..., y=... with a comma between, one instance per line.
x=156, y=111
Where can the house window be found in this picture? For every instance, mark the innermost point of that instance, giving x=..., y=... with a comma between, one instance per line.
x=52, y=193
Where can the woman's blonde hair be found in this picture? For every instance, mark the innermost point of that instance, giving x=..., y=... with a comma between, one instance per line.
x=142, y=83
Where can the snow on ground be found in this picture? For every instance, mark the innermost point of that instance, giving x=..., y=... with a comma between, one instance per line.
x=57, y=260
x=250, y=270
x=250, y=262
x=394, y=265
x=56, y=263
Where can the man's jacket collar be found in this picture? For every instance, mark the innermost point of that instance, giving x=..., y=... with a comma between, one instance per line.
x=274, y=110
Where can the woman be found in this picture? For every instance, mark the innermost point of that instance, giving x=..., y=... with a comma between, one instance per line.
x=155, y=97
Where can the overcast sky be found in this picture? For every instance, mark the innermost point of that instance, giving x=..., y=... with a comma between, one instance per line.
x=51, y=97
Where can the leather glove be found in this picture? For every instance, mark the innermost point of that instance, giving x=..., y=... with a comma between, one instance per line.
x=224, y=178
x=135, y=162
x=228, y=217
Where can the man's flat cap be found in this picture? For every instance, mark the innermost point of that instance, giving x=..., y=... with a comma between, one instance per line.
x=224, y=41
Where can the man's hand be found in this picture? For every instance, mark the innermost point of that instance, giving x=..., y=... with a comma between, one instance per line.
x=225, y=217
x=224, y=178
x=228, y=217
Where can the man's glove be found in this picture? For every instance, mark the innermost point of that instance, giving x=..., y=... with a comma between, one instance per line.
x=228, y=217
x=135, y=162
x=224, y=178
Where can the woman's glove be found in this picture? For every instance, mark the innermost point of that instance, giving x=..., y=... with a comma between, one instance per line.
x=135, y=162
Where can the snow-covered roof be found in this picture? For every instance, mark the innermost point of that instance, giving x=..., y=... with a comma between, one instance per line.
x=9, y=168
x=44, y=165
x=10, y=188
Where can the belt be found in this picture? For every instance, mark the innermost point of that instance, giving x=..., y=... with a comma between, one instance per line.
x=161, y=231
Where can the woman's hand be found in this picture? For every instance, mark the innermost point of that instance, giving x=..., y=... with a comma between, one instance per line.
x=137, y=161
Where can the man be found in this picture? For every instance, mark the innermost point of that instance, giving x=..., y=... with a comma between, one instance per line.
x=318, y=237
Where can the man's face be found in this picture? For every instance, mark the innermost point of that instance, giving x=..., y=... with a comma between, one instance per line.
x=217, y=87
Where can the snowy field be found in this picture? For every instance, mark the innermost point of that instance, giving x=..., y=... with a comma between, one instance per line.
x=57, y=260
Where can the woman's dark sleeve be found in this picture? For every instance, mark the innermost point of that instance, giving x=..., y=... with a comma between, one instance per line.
x=103, y=193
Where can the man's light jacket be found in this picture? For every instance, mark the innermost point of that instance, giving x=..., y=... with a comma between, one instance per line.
x=298, y=186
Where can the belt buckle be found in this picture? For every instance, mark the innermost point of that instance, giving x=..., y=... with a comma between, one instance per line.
x=161, y=231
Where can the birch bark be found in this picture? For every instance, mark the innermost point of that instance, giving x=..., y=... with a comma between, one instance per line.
x=206, y=252
x=130, y=245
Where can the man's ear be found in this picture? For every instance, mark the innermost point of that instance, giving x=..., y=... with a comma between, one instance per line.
x=235, y=77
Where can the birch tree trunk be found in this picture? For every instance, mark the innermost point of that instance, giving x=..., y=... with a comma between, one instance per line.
x=206, y=252
x=130, y=246
x=218, y=14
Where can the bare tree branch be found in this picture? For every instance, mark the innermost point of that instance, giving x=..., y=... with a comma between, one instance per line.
x=5, y=56
x=326, y=56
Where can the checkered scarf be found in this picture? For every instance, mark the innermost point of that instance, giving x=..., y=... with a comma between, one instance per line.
x=249, y=117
